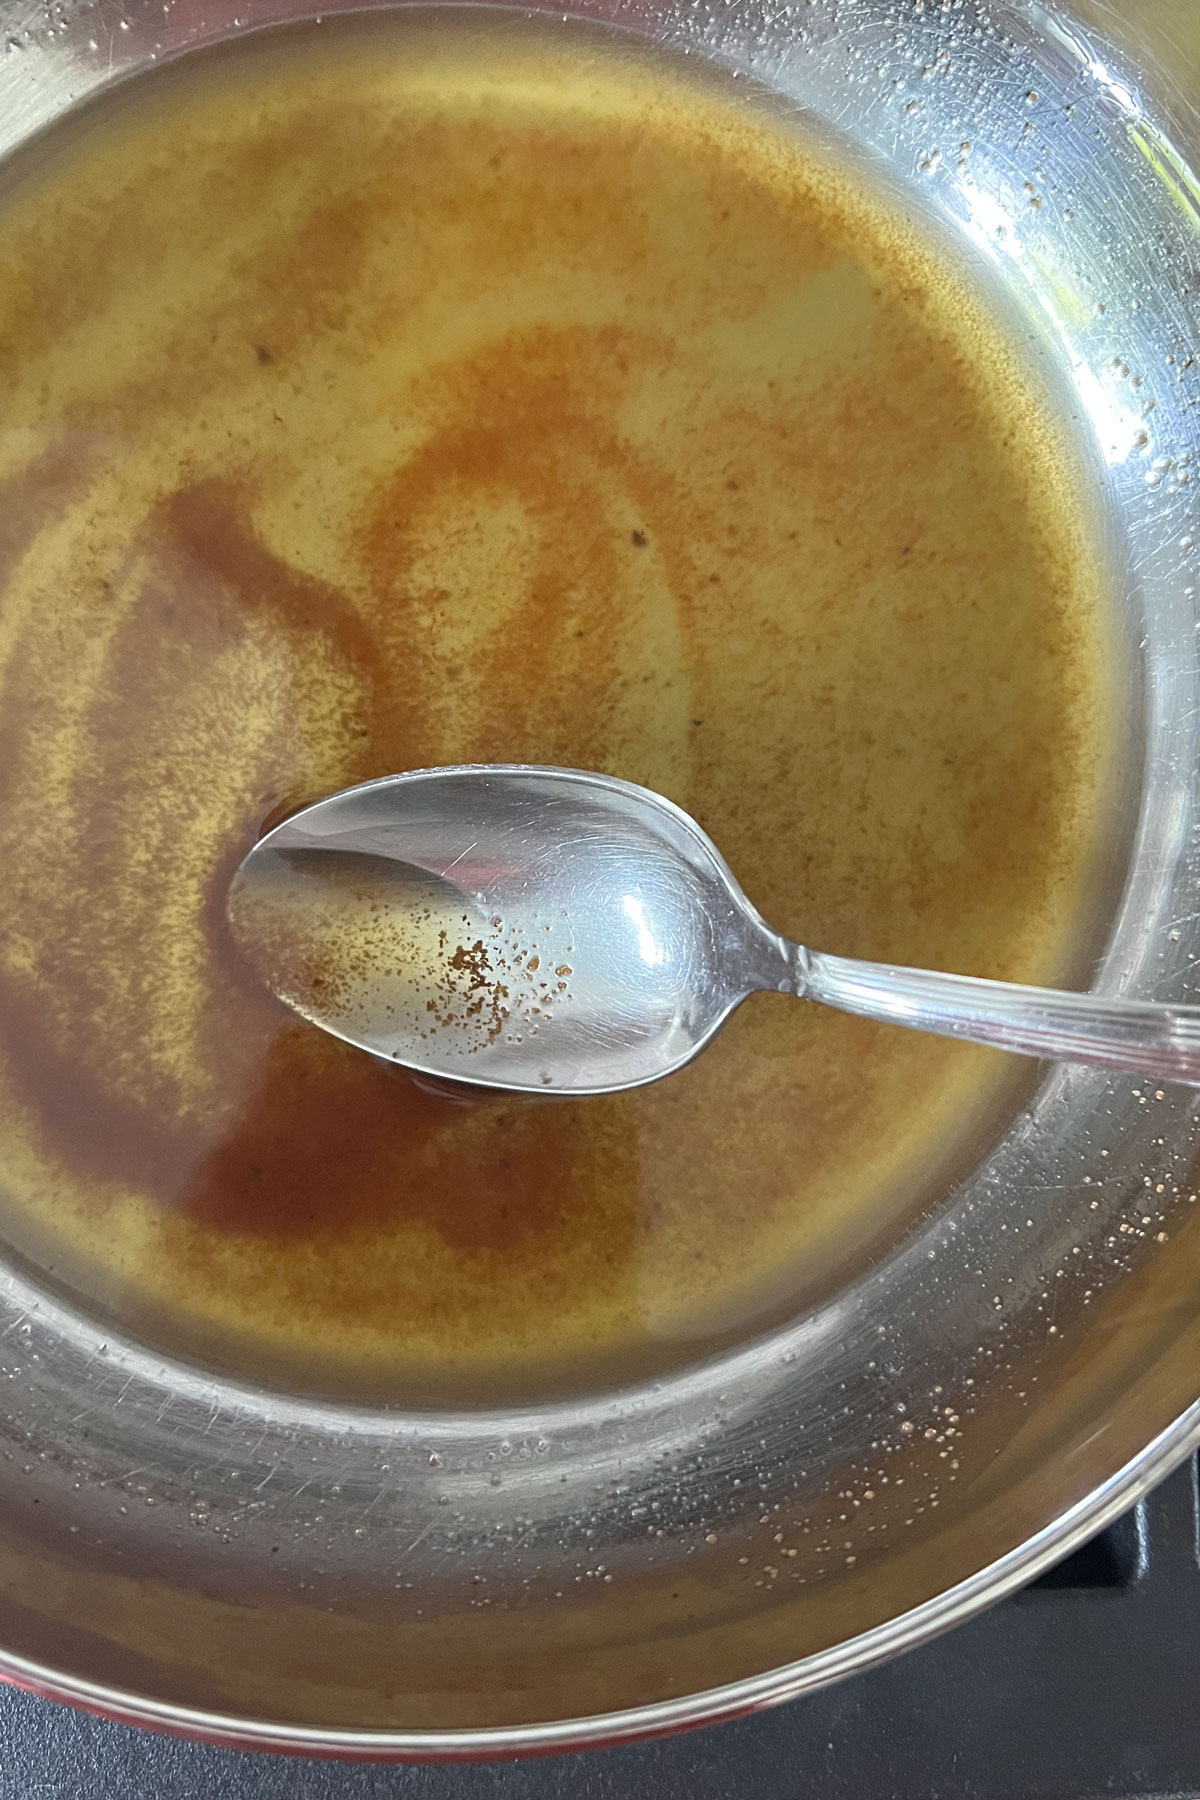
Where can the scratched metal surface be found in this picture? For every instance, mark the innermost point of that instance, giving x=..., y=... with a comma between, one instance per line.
x=1010, y=1379
x=1079, y=1687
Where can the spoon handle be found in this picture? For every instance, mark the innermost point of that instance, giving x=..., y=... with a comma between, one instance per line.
x=1138, y=1035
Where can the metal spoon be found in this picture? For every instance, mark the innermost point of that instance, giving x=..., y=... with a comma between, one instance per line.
x=539, y=929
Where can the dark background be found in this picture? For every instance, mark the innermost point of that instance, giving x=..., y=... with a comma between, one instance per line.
x=1087, y=1684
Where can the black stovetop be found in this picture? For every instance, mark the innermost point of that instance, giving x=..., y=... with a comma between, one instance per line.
x=1084, y=1685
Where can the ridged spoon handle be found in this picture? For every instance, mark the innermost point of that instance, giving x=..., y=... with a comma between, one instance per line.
x=1137, y=1035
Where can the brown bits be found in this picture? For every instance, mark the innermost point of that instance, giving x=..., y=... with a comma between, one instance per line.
x=472, y=991
x=471, y=962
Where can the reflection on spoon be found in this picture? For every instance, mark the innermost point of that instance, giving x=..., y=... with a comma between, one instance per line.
x=380, y=949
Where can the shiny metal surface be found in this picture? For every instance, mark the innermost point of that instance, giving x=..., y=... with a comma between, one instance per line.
x=539, y=930
x=548, y=930
x=274, y=1569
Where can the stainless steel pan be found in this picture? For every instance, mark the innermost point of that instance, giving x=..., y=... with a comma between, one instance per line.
x=179, y=1550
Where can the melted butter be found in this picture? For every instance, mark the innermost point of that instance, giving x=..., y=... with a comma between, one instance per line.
x=392, y=395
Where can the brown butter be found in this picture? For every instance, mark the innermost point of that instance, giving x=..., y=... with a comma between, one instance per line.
x=387, y=403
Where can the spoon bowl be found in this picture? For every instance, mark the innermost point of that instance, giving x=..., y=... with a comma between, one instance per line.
x=514, y=927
